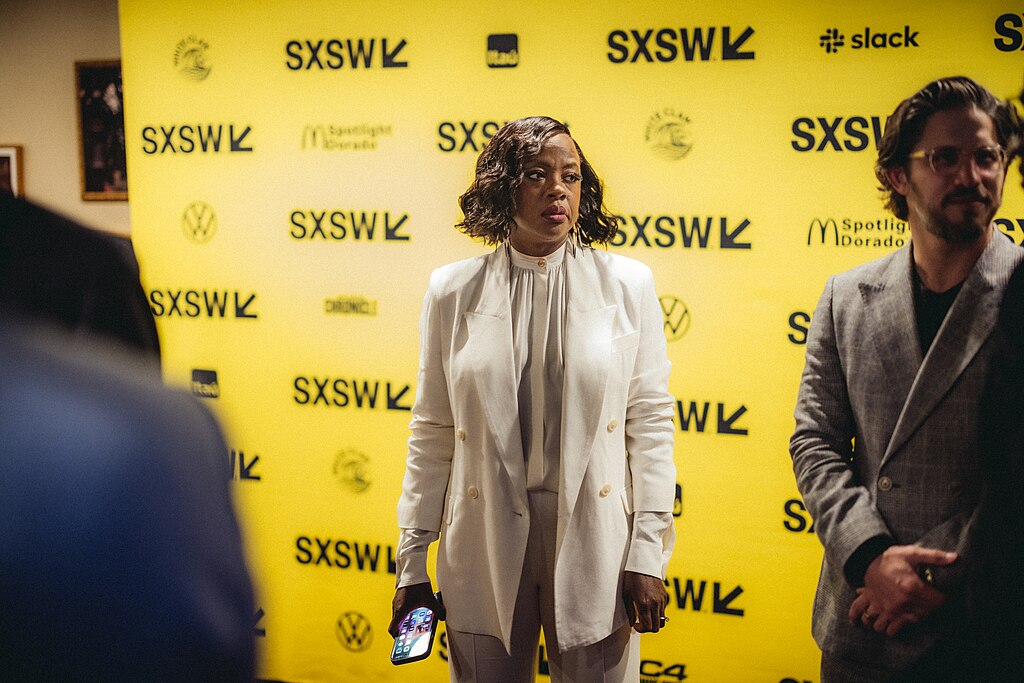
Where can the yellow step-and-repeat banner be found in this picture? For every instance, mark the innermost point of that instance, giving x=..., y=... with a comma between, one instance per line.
x=294, y=173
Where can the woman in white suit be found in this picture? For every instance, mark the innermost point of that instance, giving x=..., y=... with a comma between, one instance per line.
x=541, y=452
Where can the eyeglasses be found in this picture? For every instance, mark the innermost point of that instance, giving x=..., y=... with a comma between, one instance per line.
x=947, y=160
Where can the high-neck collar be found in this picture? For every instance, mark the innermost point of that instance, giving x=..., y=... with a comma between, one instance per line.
x=537, y=263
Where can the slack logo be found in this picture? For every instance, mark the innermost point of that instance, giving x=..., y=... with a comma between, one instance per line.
x=831, y=40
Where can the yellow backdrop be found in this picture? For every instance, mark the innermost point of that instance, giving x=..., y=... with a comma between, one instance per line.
x=294, y=172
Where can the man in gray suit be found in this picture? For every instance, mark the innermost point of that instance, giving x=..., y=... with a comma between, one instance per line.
x=886, y=446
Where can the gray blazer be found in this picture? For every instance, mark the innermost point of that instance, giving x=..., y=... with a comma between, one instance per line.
x=886, y=442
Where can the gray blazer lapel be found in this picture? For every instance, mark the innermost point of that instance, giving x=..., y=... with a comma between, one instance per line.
x=968, y=324
x=889, y=302
x=588, y=336
x=489, y=327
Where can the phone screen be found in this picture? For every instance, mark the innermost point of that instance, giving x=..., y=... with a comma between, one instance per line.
x=415, y=636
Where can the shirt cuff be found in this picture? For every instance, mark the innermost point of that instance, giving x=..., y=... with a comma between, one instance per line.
x=857, y=566
x=647, y=548
x=411, y=556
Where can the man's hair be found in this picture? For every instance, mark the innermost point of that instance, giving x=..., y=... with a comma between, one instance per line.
x=488, y=206
x=904, y=127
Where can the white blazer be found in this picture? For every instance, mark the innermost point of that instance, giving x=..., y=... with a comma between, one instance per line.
x=466, y=471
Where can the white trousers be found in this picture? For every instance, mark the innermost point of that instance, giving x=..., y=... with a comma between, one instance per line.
x=476, y=658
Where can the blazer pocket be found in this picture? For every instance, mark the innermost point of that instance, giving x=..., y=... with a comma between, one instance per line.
x=626, y=341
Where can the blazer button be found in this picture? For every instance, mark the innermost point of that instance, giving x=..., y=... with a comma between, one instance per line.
x=605, y=490
x=461, y=434
x=472, y=492
x=612, y=425
x=884, y=484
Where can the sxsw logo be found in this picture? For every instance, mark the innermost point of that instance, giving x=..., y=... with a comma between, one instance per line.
x=466, y=136
x=204, y=383
x=202, y=138
x=1012, y=228
x=337, y=392
x=344, y=554
x=797, y=520
x=503, y=50
x=870, y=38
x=202, y=303
x=669, y=44
x=694, y=416
x=242, y=467
x=689, y=594
x=1010, y=29
x=799, y=325
x=836, y=133
x=337, y=225
x=336, y=53
x=683, y=232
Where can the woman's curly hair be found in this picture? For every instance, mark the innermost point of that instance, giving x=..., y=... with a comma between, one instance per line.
x=489, y=205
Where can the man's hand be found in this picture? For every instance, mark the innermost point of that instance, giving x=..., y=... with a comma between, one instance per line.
x=409, y=598
x=645, y=598
x=894, y=594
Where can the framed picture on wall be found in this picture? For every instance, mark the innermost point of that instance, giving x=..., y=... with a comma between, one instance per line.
x=101, y=147
x=11, y=170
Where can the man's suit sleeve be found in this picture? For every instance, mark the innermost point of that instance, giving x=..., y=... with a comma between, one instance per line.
x=821, y=446
x=649, y=435
x=432, y=441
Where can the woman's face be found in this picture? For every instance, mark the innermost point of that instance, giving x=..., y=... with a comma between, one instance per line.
x=548, y=200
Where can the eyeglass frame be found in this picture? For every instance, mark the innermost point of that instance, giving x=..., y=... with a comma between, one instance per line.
x=929, y=155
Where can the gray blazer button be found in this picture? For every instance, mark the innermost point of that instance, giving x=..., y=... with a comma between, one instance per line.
x=884, y=483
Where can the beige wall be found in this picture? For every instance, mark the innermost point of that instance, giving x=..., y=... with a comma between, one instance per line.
x=40, y=41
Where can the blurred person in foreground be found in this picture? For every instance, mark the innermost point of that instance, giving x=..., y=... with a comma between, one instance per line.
x=888, y=449
x=542, y=438
x=82, y=280
x=120, y=555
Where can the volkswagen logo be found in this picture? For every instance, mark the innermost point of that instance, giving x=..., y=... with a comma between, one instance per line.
x=677, y=317
x=199, y=222
x=354, y=632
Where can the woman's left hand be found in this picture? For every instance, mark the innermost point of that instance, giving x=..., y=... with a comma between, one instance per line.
x=645, y=597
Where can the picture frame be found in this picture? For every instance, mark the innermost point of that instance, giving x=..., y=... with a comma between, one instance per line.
x=101, y=141
x=12, y=170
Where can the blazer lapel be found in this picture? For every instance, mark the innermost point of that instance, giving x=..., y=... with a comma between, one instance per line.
x=889, y=303
x=588, y=335
x=967, y=325
x=489, y=326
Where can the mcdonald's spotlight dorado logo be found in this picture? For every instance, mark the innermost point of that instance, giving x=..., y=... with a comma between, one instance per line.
x=363, y=137
x=848, y=232
x=190, y=58
x=668, y=134
x=677, y=317
x=354, y=632
x=350, y=471
x=199, y=222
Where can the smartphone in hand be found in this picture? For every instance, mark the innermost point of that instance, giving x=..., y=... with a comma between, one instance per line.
x=415, y=636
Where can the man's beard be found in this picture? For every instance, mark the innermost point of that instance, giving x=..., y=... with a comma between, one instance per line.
x=967, y=229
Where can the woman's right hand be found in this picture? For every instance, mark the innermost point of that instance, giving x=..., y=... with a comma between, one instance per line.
x=408, y=598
